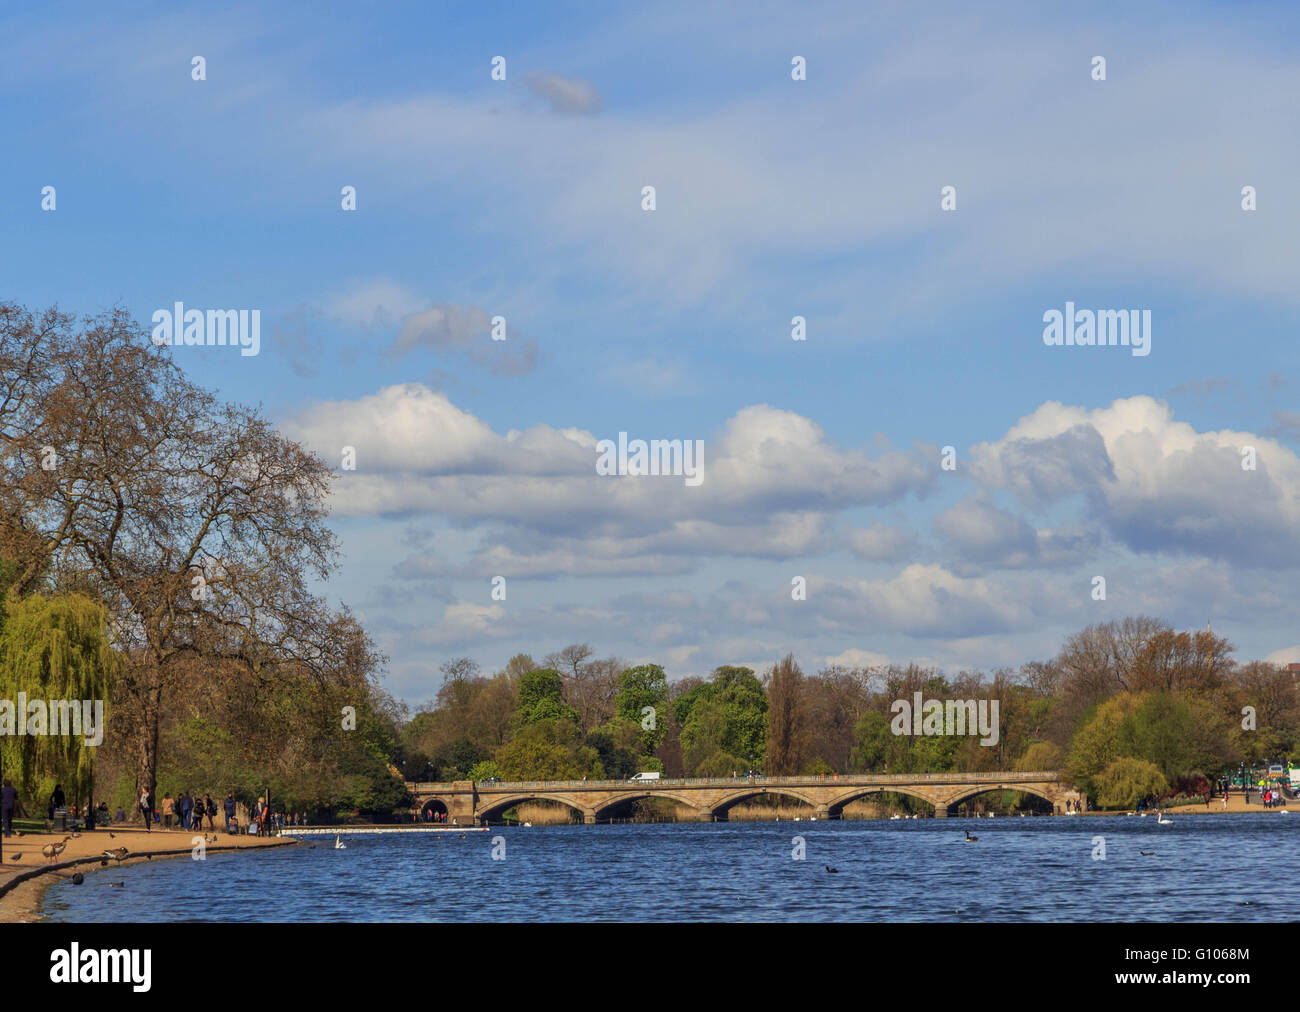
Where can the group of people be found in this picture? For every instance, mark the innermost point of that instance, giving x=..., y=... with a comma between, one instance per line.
x=281, y=819
x=187, y=810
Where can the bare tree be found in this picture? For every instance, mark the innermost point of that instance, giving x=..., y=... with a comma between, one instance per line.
x=194, y=520
x=459, y=669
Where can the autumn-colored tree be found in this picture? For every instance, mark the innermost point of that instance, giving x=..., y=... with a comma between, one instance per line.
x=786, y=719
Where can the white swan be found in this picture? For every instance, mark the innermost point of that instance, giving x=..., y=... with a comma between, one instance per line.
x=1162, y=821
x=339, y=844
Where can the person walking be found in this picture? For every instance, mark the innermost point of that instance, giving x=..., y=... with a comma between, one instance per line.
x=146, y=808
x=210, y=807
x=184, y=805
x=168, y=809
x=229, y=806
x=8, y=802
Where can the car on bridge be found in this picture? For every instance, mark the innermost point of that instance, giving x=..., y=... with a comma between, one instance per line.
x=753, y=774
x=490, y=780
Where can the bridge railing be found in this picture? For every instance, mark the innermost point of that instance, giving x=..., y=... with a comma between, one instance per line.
x=850, y=779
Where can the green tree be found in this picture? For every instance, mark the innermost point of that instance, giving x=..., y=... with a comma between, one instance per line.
x=541, y=698
x=1125, y=781
x=535, y=754
x=643, y=686
x=1099, y=740
x=54, y=648
x=484, y=770
x=727, y=719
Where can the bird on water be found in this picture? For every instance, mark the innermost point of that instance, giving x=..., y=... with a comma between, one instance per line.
x=970, y=839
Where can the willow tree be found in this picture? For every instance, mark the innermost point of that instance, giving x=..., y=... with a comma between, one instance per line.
x=194, y=520
x=54, y=649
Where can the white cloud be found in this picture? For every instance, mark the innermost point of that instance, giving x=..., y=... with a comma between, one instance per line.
x=769, y=477
x=1156, y=484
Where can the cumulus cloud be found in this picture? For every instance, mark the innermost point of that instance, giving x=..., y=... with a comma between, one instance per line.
x=980, y=535
x=1154, y=483
x=769, y=477
x=923, y=601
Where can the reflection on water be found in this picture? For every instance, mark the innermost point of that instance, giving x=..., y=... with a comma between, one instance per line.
x=1208, y=867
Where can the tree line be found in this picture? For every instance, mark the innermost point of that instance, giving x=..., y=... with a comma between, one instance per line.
x=1127, y=709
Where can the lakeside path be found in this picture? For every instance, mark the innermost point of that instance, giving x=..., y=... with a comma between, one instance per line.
x=21, y=902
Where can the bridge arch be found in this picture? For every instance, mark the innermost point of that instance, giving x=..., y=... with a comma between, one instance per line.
x=728, y=801
x=433, y=810
x=602, y=810
x=491, y=807
x=1051, y=797
x=835, y=808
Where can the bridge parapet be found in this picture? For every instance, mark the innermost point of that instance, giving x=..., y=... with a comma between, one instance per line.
x=468, y=802
x=848, y=779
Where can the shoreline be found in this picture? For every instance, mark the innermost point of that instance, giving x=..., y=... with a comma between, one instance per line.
x=23, y=882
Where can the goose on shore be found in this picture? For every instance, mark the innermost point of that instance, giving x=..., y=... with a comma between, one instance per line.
x=116, y=854
x=52, y=850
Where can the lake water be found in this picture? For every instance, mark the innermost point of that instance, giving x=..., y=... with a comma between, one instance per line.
x=1205, y=868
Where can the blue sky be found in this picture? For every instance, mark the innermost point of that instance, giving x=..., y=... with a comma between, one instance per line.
x=775, y=198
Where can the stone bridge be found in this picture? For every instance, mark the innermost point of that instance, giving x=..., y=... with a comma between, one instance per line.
x=470, y=803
